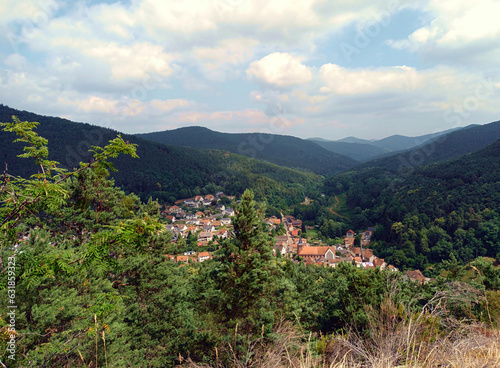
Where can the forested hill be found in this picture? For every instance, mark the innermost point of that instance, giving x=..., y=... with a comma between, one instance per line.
x=164, y=172
x=438, y=212
x=279, y=149
x=358, y=151
x=445, y=147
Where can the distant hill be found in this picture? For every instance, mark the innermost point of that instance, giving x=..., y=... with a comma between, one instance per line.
x=361, y=152
x=279, y=149
x=164, y=172
x=364, y=150
x=441, y=211
x=353, y=140
x=445, y=147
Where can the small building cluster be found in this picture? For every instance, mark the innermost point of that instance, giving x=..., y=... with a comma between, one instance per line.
x=294, y=246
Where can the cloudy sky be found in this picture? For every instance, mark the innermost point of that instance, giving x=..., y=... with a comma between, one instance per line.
x=308, y=68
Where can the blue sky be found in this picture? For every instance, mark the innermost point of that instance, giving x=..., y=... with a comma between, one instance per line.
x=314, y=68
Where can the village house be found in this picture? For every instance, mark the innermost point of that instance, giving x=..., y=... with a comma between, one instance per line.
x=209, y=197
x=417, y=276
x=208, y=228
x=225, y=221
x=205, y=221
x=174, y=209
x=216, y=223
x=182, y=259
x=220, y=207
x=205, y=237
x=228, y=212
x=171, y=218
x=273, y=220
x=203, y=256
x=349, y=238
x=316, y=254
x=191, y=203
x=223, y=234
x=198, y=199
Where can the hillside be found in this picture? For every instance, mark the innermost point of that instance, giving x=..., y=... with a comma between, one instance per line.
x=446, y=147
x=279, y=149
x=164, y=172
x=361, y=152
x=434, y=213
x=364, y=150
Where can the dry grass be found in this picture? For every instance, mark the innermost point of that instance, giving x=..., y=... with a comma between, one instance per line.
x=394, y=338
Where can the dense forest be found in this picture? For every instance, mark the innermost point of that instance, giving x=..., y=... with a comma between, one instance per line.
x=93, y=286
x=279, y=149
x=166, y=173
x=446, y=211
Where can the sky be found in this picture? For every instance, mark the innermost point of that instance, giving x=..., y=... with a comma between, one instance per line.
x=308, y=68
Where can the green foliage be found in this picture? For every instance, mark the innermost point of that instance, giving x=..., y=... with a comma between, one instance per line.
x=94, y=288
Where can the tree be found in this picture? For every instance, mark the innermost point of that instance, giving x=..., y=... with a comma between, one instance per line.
x=247, y=276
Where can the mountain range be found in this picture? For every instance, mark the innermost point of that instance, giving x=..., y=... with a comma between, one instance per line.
x=364, y=150
x=164, y=172
x=279, y=149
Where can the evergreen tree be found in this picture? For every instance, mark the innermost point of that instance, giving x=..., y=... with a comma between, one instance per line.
x=247, y=276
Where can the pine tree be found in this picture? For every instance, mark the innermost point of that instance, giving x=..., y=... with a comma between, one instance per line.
x=247, y=277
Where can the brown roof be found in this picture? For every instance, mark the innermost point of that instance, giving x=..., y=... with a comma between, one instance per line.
x=416, y=275
x=315, y=251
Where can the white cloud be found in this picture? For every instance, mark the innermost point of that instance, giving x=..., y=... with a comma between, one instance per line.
x=458, y=31
x=280, y=69
x=30, y=13
x=233, y=51
x=344, y=81
x=92, y=104
x=169, y=105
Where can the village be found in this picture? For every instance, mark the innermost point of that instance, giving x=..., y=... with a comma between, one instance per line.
x=209, y=219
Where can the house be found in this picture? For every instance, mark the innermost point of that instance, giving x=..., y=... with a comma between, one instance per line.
x=280, y=248
x=349, y=238
x=171, y=218
x=216, y=223
x=205, y=236
x=284, y=239
x=220, y=207
x=170, y=257
x=189, y=253
x=209, y=197
x=228, y=212
x=203, y=256
x=273, y=220
x=205, y=221
x=191, y=203
x=208, y=228
x=182, y=259
x=181, y=227
x=174, y=209
x=206, y=202
x=417, y=276
x=379, y=262
x=294, y=232
x=219, y=194
x=199, y=214
x=224, y=234
x=225, y=221
x=198, y=199
x=316, y=254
